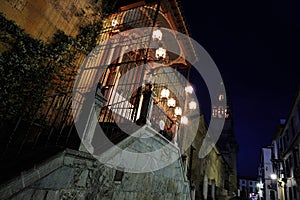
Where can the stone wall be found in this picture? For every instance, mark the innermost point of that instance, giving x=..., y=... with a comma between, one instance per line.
x=212, y=165
x=78, y=175
x=42, y=18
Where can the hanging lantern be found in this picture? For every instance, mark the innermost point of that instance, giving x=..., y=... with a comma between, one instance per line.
x=273, y=176
x=160, y=53
x=192, y=105
x=171, y=103
x=114, y=22
x=184, y=120
x=178, y=111
x=157, y=34
x=165, y=93
x=189, y=89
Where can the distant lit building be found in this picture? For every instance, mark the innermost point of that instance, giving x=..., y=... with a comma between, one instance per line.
x=248, y=187
x=280, y=162
x=286, y=159
x=227, y=144
x=266, y=172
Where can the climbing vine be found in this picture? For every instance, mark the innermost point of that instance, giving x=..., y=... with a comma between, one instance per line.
x=31, y=70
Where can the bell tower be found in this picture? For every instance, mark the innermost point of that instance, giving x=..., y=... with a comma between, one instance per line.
x=227, y=143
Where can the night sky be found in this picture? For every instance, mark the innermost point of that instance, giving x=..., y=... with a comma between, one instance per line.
x=256, y=46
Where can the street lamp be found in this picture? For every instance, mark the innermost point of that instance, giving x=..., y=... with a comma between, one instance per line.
x=189, y=89
x=171, y=103
x=165, y=93
x=273, y=176
x=178, y=111
x=157, y=34
x=184, y=120
x=160, y=53
x=192, y=105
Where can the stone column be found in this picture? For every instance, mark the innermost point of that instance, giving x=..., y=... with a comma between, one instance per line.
x=92, y=121
x=175, y=139
x=150, y=108
x=193, y=192
x=146, y=106
x=205, y=187
x=213, y=189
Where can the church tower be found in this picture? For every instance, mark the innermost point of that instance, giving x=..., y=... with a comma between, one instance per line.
x=227, y=143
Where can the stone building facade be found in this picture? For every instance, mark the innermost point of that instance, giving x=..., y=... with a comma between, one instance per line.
x=283, y=158
x=78, y=175
x=41, y=19
x=248, y=187
x=210, y=175
x=75, y=174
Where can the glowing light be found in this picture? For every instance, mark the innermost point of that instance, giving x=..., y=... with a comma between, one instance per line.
x=192, y=105
x=189, y=89
x=221, y=97
x=184, y=120
x=160, y=53
x=114, y=22
x=165, y=93
x=157, y=34
x=171, y=102
x=273, y=176
x=178, y=111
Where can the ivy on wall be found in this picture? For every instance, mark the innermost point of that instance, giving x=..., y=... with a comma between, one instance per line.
x=31, y=70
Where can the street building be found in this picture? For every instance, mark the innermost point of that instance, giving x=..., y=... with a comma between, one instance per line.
x=248, y=187
x=280, y=161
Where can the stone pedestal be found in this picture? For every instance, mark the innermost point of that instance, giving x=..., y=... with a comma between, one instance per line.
x=89, y=131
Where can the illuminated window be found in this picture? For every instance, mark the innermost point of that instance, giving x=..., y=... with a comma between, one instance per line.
x=227, y=112
x=221, y=97
x=214, y=111
x=220, y=112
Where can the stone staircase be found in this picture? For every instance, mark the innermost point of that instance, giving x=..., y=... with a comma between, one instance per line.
x=74, y=174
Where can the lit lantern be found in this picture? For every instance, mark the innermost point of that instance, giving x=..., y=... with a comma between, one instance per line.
x=192, y=105
x=157, y=34
x=178, y=111
x=184, y=120
x=171, y=103
x=165, y=93
x=160, y=53
x=189, y=89
x=114, y=22
x=273, y=176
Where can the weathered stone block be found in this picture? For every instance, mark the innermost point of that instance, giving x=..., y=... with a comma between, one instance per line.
x=144, y=196
x=157, y=196
x=168, y=196
x=172, y=186
x=69, y=161
x=106, y=194
x=24, y=195
x=39, y=194
x=118, y=195
x=52, y=195
x=180, y=188
x=82, y=178
x=67, y=194
x=131, y=196
x=159, y=184
x=132, y=182
x=61, y=178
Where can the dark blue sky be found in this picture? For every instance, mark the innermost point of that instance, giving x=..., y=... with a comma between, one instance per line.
x=256, y=46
